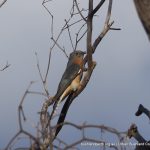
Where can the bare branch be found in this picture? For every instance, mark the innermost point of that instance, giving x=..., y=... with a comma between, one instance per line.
x=75, y=22
x=37, y=93
x=52, y=32
x=51, y=48
x=48, y=66
x=89, y=35
x=69, y=34
x=119, y=134
x=79, y=11
x=108, y=13
x=20, y=115
x=63, y=49
x=5, y=67
x=77, y=35
x=111, y=28
x=20, y=107
x=97, y=7
x=12, y=140
x=2, y=3
x=46, y=1
x=106, y=28
x=101, y=36
x=141, y=110
x=89, y=140
x=43, y=80
x=52, y=24
x=103, y=127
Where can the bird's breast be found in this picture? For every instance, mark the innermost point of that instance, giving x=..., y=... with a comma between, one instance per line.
x=75, y=83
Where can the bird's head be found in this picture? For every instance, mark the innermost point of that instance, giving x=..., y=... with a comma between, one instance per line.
x=77, y=53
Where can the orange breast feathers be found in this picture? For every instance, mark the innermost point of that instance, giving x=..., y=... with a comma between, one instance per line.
x=78, y=61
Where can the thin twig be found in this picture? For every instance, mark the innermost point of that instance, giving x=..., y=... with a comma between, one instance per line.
x=37, y=93
x=69, y=33
x=43, y=80
x=89, y=35
x=74, y=23
x=51, y=48
x=77, y=35
x=63, y=49
x=2, y=3
x=101, y=36
x=5, y=67
x=106, y=28
x=108, y=13
x=52, y=24
x=12, y=140
x=79, y=11
x=86, y=126
x=52, y=32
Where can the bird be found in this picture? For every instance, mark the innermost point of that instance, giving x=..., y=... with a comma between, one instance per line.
x=142, y=143
x=70, y=80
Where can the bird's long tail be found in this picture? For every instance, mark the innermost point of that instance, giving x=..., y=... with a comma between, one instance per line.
x=63, y=114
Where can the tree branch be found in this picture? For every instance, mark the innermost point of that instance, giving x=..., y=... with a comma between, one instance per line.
x=97, y=7
x=89, y=35
x=5, y=67
x=141, y=110
x=2, y=3
x=79, y=11
x=106, y=27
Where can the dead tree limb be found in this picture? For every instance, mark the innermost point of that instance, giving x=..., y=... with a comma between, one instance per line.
x=141, y=110
x=22, y=117
x=5, y=67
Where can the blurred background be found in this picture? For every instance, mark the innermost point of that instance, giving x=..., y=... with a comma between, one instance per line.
x=120, y=81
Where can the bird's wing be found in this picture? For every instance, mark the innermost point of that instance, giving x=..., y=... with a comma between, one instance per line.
x=70, y=73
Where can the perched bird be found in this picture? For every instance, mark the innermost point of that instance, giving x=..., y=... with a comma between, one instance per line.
x=142, y=143
x=70, y=80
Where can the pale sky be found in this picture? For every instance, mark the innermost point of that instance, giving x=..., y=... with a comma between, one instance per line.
x=120, y=82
